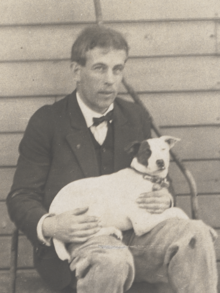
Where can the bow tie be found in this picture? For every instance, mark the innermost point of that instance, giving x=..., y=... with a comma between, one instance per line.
x=108, y=117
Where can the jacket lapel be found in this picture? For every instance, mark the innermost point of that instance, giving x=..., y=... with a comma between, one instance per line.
x=80, y=141
x=124, y=133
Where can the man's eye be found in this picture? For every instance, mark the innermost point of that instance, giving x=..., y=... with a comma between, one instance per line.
x=118, y=70
x=99, y=69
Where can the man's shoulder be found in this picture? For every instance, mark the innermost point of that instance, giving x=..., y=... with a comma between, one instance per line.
x=52, y=111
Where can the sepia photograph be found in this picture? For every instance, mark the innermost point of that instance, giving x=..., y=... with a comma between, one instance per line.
x=109, y=146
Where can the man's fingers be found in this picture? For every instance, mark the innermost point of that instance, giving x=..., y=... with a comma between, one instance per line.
x=85, y=233
x=152, y=206
x=153, y=194
x=86, y=226
x=79, y=211
x=87, y=219
x=150, y=200
x=153, y=211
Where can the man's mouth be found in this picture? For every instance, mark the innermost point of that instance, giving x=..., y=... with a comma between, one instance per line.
x=107, y=93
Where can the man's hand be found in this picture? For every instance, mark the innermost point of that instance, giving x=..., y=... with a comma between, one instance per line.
x=156, y=201
x=72, y=226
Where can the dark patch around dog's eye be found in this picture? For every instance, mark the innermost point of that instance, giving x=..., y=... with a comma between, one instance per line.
x=144, y=153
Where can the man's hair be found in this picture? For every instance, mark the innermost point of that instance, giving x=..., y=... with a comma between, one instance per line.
x=96, y=36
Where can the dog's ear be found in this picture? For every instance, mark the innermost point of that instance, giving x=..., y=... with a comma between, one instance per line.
x=133, y=147
x=170, y=140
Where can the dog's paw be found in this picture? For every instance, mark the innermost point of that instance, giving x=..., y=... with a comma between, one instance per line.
x=117, y=233
x=110, y=231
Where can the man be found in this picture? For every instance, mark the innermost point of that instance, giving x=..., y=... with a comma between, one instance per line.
x=63, y=143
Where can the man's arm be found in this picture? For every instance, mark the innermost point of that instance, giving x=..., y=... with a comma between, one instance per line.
x=25, y=200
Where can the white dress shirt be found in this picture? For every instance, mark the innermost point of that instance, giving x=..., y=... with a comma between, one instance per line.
x=99, y=131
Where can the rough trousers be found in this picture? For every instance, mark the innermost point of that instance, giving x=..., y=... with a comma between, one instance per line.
x=178, y=252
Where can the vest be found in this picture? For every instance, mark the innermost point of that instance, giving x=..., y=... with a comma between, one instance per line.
x=105, y=152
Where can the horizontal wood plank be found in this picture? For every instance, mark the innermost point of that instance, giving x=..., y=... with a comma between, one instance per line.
x=208, y=208
x=174, y=74
x=183, y=108
x=153, y=10
x=205, y=173
x=168, y=38
x=21, y=109
x=33, y=12
x=146, y=74
x=145, y=39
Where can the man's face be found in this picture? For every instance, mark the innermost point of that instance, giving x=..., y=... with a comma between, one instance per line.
x=99, y=80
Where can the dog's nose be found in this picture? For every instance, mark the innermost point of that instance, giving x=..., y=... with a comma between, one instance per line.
x=160, y=164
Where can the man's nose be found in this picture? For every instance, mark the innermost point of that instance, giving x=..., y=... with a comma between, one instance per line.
x=160, y=164
x=109, y=77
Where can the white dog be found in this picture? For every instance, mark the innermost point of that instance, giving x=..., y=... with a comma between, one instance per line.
x=113, y=197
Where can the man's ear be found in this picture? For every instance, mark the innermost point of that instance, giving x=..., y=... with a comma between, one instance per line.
x=133, y=147
x=76, y=70
x=170, y=140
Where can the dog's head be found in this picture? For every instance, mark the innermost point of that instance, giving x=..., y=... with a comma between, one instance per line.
x=152, y=156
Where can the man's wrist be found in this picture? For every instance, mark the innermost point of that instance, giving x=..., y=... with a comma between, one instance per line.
x=49, y=227
x=43, y=229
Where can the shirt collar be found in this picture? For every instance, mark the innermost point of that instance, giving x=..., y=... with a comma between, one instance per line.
x=89, y=113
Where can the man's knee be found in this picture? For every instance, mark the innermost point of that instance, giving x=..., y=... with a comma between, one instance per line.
x=117, y=266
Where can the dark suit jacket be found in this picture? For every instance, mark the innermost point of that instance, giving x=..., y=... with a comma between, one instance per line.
x=55, y=150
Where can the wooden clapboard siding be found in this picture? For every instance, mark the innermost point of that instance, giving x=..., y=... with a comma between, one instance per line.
x=185, y=108
x=39, y=12
x=21, y=110
x=206, y=174
x=174, y=73
x=146, y=74
x=208, y=209
x=154, y=39
x=154, y=10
